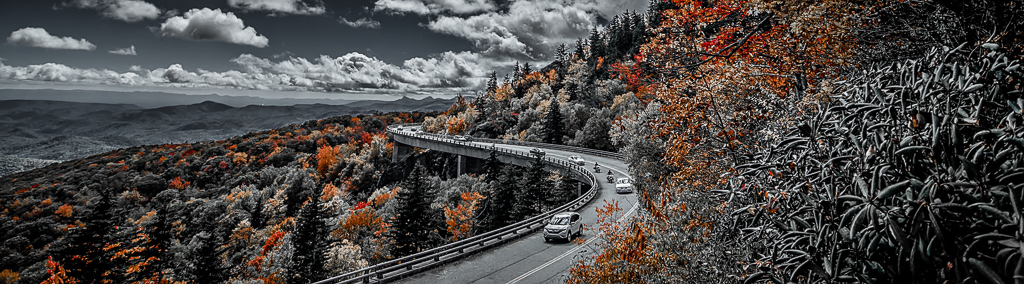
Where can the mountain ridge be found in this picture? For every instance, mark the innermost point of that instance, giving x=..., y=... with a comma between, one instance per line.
x=46, y=130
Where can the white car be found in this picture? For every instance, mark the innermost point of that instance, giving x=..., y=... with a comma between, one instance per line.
x=537, y=152
x=623, y=185
x=462, y=138
x=577, y=159
x=565, y=225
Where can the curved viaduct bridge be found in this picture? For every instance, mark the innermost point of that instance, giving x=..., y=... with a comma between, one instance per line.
x=515, y=253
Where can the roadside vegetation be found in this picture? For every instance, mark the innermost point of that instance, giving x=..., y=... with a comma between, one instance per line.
x=782, y=141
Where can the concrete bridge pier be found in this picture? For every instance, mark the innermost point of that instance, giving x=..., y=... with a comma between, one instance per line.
x=462, y=165
x=400, y=151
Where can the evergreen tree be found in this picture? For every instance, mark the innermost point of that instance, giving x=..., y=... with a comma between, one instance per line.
x=82, y=250
x=309, y=241
x=500, y=209
x=597, y=45
x=492, y=84
x=553, y=124
x=614, y=33
x=153, y=247
x=533, y=192
x=161, y=238
x=492, y=168
x=579, y=52
x=564, y=192
x=413, y=227
x=517, y=73
x=206, y=264
x=562, y=57
x=639, y=33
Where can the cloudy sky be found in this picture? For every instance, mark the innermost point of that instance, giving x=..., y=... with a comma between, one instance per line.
x=439, y=47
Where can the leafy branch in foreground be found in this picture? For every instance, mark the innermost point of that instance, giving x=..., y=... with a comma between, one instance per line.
x=915, y=173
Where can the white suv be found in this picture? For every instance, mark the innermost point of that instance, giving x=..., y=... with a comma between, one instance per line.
x=623, y=185
x=565, y=225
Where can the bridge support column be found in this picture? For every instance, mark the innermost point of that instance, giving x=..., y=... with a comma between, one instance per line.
x=462, y=165
x=400, y=151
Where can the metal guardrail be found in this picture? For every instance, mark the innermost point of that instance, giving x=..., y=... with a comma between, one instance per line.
x=401, y=267
x=588, y=151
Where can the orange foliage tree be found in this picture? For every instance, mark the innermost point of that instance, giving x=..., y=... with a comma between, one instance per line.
x=179, y=183
x=326, y=157
x=57, y=273
x=460, y=219
x=620, y=245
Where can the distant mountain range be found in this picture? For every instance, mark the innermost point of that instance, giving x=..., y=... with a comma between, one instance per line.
x=34, y=133
x=147, y=99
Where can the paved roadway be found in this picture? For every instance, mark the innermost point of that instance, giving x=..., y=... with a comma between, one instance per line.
x=530, y=259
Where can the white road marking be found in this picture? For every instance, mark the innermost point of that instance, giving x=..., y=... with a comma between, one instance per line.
x=571, y=251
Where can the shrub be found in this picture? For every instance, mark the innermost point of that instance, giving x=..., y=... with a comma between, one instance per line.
x=915, y=173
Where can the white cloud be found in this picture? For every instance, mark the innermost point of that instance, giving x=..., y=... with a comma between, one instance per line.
x=124, y=51
x=527, y=30
x=279, y=6
x=122, y=10
x=447, y=73
x=530, y=29
x=360, y=23
x=38, y=37
x=212, y=25
x=357, y=71
x=424, y=7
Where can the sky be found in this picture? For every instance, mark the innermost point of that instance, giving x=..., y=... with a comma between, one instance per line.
x=388, y=47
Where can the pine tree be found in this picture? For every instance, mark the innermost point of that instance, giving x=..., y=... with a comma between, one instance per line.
x=614, y=33
x=82, y=250
x=566, y=191
x=639, y=33
x=309, y=242
x=492, y=168
x=500, y=210
x=206, y=264
x=562, y=56
x=533, y=192
x=579, y=52
x=152, y=250
x=553, y=124
x=597, y=45
x=492, y=84
x=413, y=227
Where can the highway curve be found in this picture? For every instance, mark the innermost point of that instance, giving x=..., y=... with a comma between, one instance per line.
x=530, y=259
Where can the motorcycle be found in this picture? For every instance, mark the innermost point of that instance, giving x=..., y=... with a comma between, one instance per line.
x=610, y=177
x=597, y=168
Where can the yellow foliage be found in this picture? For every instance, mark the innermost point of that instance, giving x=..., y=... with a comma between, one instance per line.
x=8, y=277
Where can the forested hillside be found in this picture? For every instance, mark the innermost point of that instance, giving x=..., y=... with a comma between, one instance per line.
x=294, y=204
x=792, y=141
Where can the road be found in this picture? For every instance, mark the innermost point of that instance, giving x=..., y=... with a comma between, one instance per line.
x=530, y=259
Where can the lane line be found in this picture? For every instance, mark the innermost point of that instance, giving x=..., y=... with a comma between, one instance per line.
x=567, y=253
